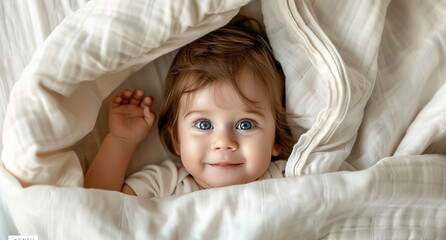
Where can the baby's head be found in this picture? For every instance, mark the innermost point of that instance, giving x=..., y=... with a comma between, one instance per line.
x=224, y=94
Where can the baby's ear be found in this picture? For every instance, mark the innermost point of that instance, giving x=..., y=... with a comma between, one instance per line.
x=276, y=151
x=177, y=148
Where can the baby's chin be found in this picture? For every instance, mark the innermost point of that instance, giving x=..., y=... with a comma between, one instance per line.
x=219, y=184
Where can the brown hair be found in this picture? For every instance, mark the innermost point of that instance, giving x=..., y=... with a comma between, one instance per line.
x=222, y=55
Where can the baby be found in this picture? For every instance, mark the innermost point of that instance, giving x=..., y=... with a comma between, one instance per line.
x=222, y=114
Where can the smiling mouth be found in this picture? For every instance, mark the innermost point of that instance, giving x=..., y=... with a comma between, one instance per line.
x=225, y=165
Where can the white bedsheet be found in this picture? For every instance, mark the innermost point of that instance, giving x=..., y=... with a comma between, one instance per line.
x=366, y=80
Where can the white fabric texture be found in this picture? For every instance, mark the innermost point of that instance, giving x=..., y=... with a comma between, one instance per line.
x=332, y=66
x=170, y=178
x=366, y=80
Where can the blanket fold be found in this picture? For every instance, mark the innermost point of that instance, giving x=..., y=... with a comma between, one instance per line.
x=335, y=61
x=399, y=196
x=368, y=92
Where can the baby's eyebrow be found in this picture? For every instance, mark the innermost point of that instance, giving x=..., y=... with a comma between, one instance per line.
x=195, y=112
x=248, y=111
x=255, y=112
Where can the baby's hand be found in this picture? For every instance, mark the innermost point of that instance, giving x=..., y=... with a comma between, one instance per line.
x=130, y=118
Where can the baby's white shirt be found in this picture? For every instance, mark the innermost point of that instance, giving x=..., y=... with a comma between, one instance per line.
x=170, y=178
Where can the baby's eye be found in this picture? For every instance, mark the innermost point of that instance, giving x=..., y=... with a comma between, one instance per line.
x=203, y=125
x=245, y=125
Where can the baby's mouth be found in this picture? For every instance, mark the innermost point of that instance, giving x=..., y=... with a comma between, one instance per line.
x=225, y=165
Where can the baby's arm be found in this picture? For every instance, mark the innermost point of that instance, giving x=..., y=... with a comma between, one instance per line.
x=130, y=121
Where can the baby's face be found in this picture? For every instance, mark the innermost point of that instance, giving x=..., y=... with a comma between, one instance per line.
x=221, y=141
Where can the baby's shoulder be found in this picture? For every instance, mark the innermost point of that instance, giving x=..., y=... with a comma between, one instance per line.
x=186, y=183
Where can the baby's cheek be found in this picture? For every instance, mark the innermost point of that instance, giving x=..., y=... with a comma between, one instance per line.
x=260, y=151
x=192, y=147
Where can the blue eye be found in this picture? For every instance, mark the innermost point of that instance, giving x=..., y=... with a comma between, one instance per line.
x=203, y=125
x=245, y=125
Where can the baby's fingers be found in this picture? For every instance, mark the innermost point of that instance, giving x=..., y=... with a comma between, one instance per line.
x=122, y=99
x=126, y=95
x=116, y=102
x=149, y=116
x=136, y=97
x=147, y=102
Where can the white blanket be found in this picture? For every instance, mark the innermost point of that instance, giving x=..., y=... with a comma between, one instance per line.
x=366, y=80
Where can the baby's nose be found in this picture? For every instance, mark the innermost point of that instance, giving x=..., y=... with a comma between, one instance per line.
x=224, y=141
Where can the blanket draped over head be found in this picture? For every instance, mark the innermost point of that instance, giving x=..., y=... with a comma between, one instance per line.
x=365, y=80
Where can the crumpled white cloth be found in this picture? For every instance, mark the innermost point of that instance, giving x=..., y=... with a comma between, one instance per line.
x=367, y=89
